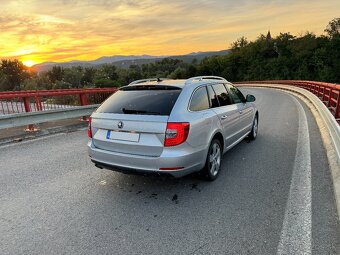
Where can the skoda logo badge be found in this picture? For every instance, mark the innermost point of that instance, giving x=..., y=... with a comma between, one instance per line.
x=120, y=124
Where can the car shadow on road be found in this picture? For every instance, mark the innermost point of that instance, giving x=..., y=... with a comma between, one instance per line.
x=157, y=187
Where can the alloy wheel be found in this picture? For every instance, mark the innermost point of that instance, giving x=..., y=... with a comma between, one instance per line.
x=215, y=159
x=255, y=127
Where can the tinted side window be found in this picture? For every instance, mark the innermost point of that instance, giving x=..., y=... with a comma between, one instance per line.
x=199, y=100
x=236, y=95
x=222, y=94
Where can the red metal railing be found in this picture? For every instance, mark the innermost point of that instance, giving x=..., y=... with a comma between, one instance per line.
x=44, y=100
x=328, y=93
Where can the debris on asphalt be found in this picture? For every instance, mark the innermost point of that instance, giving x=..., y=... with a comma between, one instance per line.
x=175, y=198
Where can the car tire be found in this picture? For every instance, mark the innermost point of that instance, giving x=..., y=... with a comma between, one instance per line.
x=213, y=162
x=255, y=128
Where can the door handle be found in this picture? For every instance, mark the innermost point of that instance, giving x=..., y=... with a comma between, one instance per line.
x=224, y=117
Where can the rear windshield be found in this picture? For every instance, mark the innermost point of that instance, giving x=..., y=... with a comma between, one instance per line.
x=141, y=100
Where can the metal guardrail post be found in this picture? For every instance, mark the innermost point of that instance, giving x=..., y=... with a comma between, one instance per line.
x=38, y=103
x=337, y=109
x=318, y=92
x=27, y=105
x=83, y=102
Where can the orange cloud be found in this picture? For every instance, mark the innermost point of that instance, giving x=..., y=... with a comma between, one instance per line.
x=60, y=30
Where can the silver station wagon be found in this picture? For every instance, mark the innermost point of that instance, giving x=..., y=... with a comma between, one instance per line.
x=174, y=127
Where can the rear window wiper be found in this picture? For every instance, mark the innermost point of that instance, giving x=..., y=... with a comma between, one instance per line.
x=131, y=111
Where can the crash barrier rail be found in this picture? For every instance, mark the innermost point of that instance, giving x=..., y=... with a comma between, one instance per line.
x=328, y=93
x=30, y=118
x=17, y=103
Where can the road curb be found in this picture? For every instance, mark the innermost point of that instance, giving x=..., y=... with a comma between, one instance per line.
x=329, y=130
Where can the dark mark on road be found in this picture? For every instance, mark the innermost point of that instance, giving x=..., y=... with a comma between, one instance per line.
x=153, y=195
x=194, y=186
x=175, y=198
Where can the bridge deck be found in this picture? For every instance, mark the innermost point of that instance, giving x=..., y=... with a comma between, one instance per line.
x=53, y=200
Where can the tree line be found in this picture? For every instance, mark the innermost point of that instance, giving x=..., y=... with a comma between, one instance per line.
x=304, y=57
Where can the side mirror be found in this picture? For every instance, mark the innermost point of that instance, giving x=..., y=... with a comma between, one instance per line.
x=250, y=98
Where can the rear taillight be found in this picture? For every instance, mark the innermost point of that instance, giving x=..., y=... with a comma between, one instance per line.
x=176, y=133
x=89, y=131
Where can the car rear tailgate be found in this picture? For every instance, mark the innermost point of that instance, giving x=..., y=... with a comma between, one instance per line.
x=129, y=133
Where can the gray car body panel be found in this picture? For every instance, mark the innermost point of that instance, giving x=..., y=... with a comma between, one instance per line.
x=233, y=122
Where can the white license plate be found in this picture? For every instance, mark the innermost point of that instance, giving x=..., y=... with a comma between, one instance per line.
x=123, y=136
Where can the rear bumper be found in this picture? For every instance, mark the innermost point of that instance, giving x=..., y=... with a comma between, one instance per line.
x=191, y=161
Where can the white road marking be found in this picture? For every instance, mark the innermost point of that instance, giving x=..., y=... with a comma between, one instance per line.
x=296, y=235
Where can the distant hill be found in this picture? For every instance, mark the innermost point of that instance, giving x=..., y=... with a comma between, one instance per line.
x=126, y=61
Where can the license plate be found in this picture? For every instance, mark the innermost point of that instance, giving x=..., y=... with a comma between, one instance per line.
x=122, y=136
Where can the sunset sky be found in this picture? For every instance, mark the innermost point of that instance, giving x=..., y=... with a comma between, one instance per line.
x=36, y=31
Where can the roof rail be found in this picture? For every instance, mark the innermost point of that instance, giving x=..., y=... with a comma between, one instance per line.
x=147, y=80
x=200, y=78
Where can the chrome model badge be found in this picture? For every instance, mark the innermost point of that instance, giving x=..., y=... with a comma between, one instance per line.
x=120, y=124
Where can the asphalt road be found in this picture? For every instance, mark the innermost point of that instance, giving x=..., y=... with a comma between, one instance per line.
x=274, y=196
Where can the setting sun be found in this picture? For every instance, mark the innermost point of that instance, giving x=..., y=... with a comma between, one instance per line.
x=29, y=63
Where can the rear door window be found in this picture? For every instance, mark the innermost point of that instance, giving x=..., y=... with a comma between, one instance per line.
x=199, y=100
x=146, y=100
x=222, y=94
